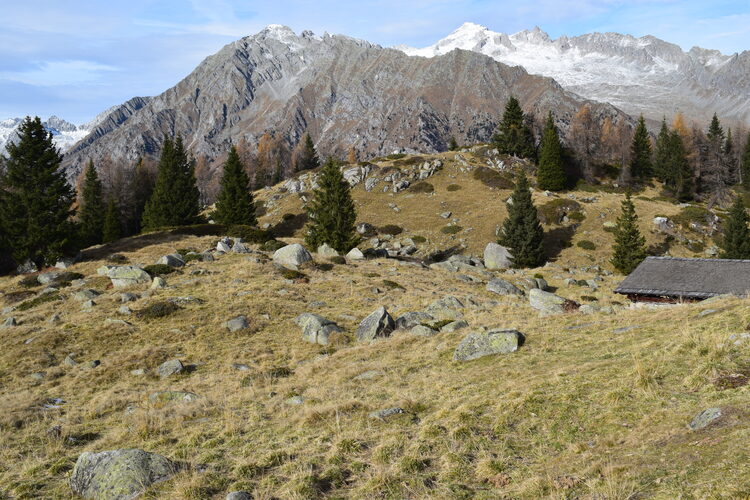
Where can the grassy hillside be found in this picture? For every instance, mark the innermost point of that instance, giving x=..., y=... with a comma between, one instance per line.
x=591, y=406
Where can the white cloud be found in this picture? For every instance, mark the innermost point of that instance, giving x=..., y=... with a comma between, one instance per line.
x=55, y=73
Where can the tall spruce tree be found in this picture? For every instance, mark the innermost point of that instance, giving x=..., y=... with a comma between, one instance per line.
x=174, y=201
x=452, y=144
x=309, y=158
x=661, y=156
x=641, y=166
x=37, y=199
x=91, y=213
x=630, y=245
x=678, y=175
x=514, y=136
x=551, y=173
x=745, y=165
x=522, y=233
x=736, y=241
x=235, y=204
x=112, y=229
x=331, y=211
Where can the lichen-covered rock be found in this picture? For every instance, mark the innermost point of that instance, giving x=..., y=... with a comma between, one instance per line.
x=411, y=319
x=236, y=324
x=325, y=250
x=355, y=254
x=502, y=287
x=169, y=368
x=497, y=257
x=480, y=344
x=239, y=495
x=315, y=328
x=125, y=276
x=705, y=418
x=119, y=474
x=378, y=324
x=446, y=308
x=549, y=303
x=291, y=256
x=173, y=260
x=423, y=331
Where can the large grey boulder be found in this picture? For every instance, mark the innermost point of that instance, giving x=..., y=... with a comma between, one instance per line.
x=169, y=368
x=378, y=324
x=240, y=247
x=119, y=474
x=355, y=254
x=173, y=260
x=125, y=276
x=409, y=320
x=480, y=344
x=291, y=256
x=549, y=303
x=325, y=250
x=497, y=257
x=315, y=328
x=446, y=308
x=502, y=287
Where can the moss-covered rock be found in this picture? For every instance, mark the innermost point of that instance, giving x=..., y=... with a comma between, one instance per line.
x=480, y=344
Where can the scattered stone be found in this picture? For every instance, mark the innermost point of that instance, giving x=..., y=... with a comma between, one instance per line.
x=480, y=344
x=116, y=322
x=236, y=324
x=27, y=267
x=446, y=308
x=10, y=322
x=93, y=364
x=705, y=418
x=454, y=326
x=240, y=367
x=239, y=495
x=85, y=295
x=409, y=320
x=295, y=400
x=170, y=396
x=69, y=361
x=47, y=278
x=169, y=368
x=119, y=474
x=549, y=303
x=291, y=256
x=502, y=287
x=158, y=283
x=325, y=250
x=316, y=329
x=224, y=245
x=365, y=228
x=38, y=376
x=423, y=331
x=446, y=215
x=355, y=254
x=138, y=372
x=386, y=413
x=54, y=319
x=128, y=297
x=89, y=304
x=378, y=324
x=497, y=257
x=125, y=276
x=125, y=310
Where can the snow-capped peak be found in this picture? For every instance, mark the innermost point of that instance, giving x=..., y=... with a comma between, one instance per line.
x=64, y=133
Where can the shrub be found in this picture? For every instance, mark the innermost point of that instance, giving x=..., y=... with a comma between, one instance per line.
x=251, y=234
x=157, y=310
x=190, y=257
x=392, y=285
x=42, y=299
x=159, y=270
x=693, y=215
x=200, y=230
x=492, y=178
x=412, y=160
x=422, y=187
x=538, y=276
x=451, y=229
x=553, y=211
x=453, y=187
x=66, y=278
x=577, y=216
x=395, y=156
x=419, y=239
x=586, y=245
x=29, y=281
x=291, y=274
x=609, y=229
x=391, y=229
x=272, y=245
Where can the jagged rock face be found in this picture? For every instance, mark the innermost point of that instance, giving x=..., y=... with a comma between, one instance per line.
x=639, y=75
x=342, y=91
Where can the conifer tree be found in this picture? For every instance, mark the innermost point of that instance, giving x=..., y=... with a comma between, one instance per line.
x=37, y=199
x=550, y=174
x=745, y=165
x=678, y=175
x=91, y=213
x=715, y=131
x=640, y=162
x=630, y=245
x=662, y=152
x=308, y=157
x=736, y=241
x=514, y=136
x=112, y=225
x=522, y=233
x=235, y=204
x=143, y=181
x=174, y=201
x=331, y=211
x=452, y=144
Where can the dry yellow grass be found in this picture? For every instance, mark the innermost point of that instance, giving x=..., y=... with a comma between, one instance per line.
x=578, y=412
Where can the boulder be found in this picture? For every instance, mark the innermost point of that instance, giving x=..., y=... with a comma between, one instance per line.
x=47, y=278
x=316, y=329
x=125, y=276
x=239, y=495
x=497, y=257
x=119, y=474
x=169, y=368
x=446, y=308
x=65, y=262
x=240, y=247
x=423, y=331
x=378, y=324
x=549, y=303
x=454, y=326
x=355, y=254
x=291, y=256
x=224, y=245
x=10, y=322
x=84, y=295
x=158, y=282
x=502, y=287
x=409, y=320
x=173, y=260
x=705, y=418
x=480, y=344
x=236, y=324
x=326, y=250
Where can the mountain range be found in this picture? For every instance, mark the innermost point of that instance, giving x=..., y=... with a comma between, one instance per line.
x=638, y=75
x=64, y=133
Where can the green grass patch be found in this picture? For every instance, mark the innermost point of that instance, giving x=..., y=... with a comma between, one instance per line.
x=159, y=270
x=586, y=245
x=451, y=229
x=453, y=187
x=492, y=178
x=36, y=301
x=422, y=187
x=419, y=239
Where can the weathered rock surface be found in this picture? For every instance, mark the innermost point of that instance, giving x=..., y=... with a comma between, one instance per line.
x=169, y=368
x=326, y=250
x=173, y=260
x=315, y=328
x=502, y=287
x=705, y=418
x=125, y=276
x=447, y=308
x=119, y=474
x=480, y=344
x=236, y=324
x=497, y=257
x=291, y=256
x=549, y=303
x=355, y=254
x=378, y=324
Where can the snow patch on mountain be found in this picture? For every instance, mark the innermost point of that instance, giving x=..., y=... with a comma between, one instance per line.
x=64, y=133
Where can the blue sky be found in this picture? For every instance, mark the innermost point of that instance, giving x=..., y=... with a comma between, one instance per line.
x=75, y=58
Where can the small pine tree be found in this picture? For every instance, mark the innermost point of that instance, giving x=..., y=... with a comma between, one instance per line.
x=235, y=204
x=550, y=174
x=37, y=199
x=522, y=233
x=309, y=157
x=91, y=213
x=745, y=166
x=331, y=211
x=175, y=200
x=736, y=241
x=715, y=132
x=514, y=136
x=630, y=245
x=452, y=144
x=112, y=225
x=640, y=164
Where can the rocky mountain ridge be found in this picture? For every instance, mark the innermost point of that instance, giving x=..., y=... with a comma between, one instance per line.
x=639, y=75
x=64, y=133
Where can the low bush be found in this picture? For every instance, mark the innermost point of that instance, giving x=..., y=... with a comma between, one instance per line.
x=586, y=245
x=453, y=187
x=395, y=156
x=29, y=281
x=159, y=270
x=392, y=285
x=391, y=229
x=158, y=310
x=493, y=178
x=419, y=239
x=42, y=299
x=272, y=245
x=251, y=234
x=422, y=187
x=451, y=229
